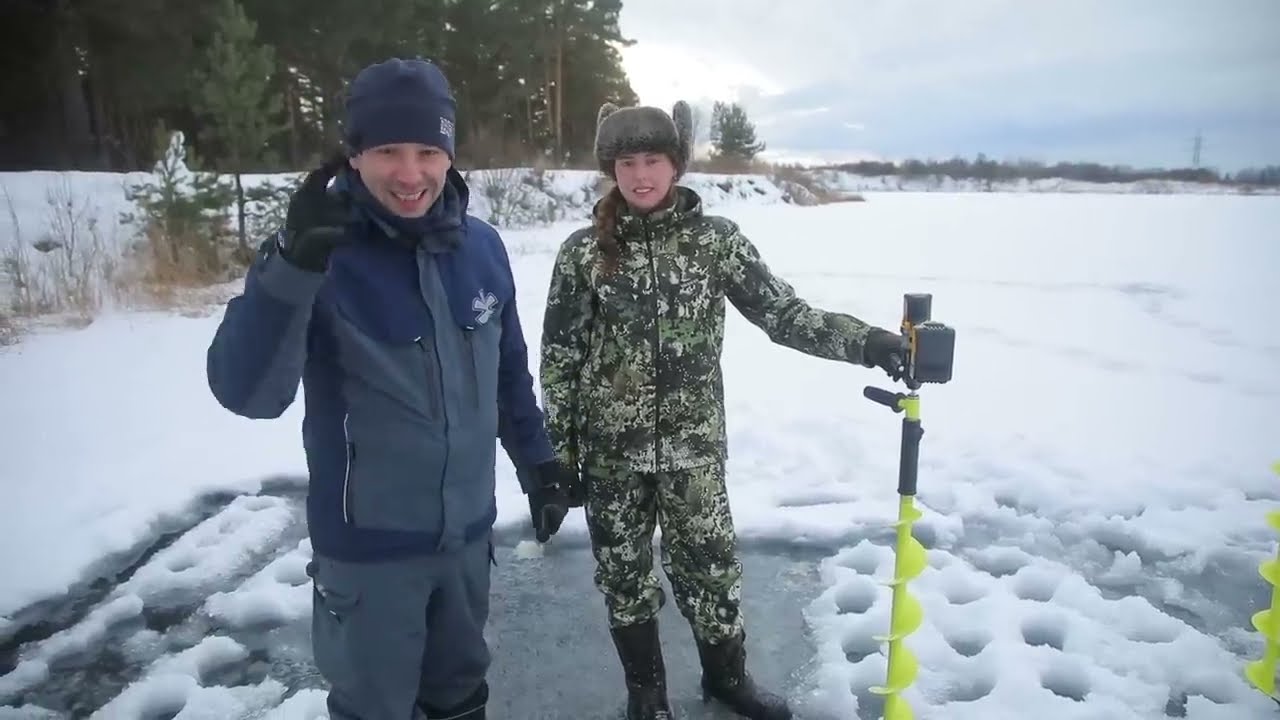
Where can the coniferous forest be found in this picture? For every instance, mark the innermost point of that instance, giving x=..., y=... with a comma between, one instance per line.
x=258, y=85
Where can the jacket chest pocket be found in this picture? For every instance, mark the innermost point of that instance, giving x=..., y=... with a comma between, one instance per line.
x=484, y=350
x=694, y=294
x=387, y=357
x=625, y=295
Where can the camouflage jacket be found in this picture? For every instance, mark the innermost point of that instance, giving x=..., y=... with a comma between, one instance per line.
x=630, y=364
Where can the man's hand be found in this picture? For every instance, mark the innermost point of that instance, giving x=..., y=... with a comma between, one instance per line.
x=887, y=351
x=552, y=497
x=316, y=221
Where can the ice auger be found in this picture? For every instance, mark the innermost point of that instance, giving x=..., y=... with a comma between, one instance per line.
x=1262, y=672
x=929, y=348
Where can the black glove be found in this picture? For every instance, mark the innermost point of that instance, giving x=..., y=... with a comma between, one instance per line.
x=551, y=497
x=316, y=220
x=887, y=351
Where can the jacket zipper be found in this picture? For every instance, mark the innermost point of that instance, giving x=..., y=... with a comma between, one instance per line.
x=435, y=393
x=444, y=411
x=657, y=337
x=346, y=476
x=469, y=334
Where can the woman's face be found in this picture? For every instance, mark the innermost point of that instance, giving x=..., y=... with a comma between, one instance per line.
x=644, y=179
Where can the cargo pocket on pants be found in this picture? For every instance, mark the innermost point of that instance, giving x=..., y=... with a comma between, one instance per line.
x=334, y=607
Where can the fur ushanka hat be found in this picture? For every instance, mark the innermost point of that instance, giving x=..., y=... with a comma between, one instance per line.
x=644, y=129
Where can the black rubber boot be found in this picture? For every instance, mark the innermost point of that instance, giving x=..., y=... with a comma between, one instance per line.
x=470, y=709
x=725, y=678
x=642, y=667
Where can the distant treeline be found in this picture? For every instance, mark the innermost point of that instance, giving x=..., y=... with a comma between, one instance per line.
x=258, y=85
x=983, y=168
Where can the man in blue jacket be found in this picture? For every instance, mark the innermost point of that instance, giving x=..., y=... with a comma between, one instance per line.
x=397, y=312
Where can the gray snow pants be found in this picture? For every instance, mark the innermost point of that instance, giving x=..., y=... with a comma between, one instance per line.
x=402, y=637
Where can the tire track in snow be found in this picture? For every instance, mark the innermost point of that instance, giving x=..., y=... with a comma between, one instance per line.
x=44, y=619
x=81, y=658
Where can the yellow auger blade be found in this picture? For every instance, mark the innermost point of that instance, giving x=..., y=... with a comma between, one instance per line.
x=1261, y=673
x=906, y=616
x=900, y=677
x=895, y=706
x=902, y=673
x=1270, y=570
x=908, y=514
x=910, y=557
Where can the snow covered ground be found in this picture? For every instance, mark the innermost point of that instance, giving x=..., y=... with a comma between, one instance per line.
x=1094, y=480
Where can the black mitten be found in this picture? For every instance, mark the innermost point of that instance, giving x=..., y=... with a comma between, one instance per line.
x=551, y=498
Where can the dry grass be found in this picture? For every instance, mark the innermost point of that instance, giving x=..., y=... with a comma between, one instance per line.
x=8, y=330
x=167, y=266
x=797, y=183
x=65, y=273
x=69, y=269
x=800, y=182
x=500, y=187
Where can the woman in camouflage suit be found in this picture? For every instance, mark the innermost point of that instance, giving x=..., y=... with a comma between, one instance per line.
x=630, y=372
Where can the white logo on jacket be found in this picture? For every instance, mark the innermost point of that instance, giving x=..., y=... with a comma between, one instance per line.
x=484, y=304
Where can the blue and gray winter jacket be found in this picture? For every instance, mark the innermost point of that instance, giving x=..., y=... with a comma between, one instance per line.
x=413, y=364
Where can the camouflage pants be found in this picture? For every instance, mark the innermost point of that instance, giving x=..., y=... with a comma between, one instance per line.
x=697, y=547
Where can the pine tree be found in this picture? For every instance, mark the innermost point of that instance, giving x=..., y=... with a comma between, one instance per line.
x=733, y=136
x=180, y=214
x=233, y=94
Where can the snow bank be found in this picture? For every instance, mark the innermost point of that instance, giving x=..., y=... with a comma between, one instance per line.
x=509, y=198
x=59, y=226
x=523, y=197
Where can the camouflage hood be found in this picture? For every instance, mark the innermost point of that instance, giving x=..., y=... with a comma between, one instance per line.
x=630, y=369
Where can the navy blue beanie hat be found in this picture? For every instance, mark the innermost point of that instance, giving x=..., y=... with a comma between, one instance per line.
x=400, y=101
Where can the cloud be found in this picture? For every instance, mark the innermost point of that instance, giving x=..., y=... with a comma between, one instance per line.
x=1129, y=82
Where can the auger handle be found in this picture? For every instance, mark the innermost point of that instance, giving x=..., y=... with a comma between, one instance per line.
x=887, y=398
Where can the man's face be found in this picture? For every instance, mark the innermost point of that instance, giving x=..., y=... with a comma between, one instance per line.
x=405, y=177
x=644, y=179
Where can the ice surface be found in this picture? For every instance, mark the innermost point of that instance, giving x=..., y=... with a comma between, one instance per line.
x=546, y=628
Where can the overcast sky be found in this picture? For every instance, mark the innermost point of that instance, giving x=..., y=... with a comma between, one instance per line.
x=1114, y=81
